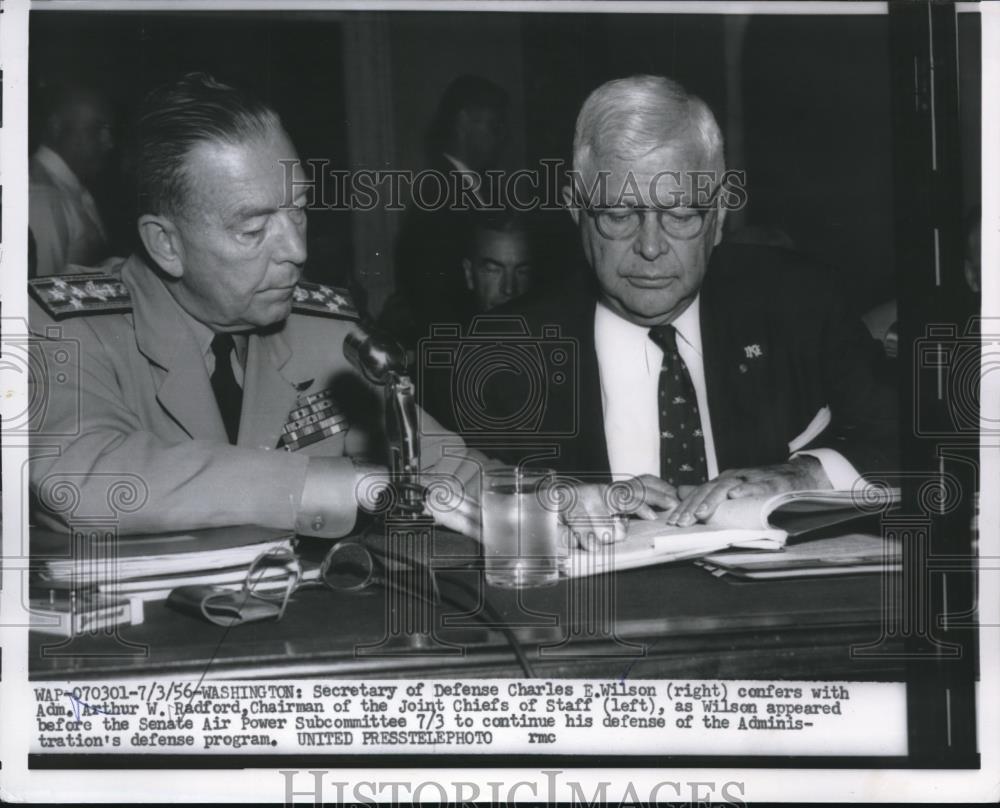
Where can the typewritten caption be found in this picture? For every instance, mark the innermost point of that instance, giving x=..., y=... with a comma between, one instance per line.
x=484, y=716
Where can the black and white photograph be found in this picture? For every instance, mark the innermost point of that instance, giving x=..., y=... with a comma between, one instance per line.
x=499, y=402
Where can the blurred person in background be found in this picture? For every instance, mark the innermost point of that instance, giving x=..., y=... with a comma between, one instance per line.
x=75, y=143
x=466, y=139
x=499, y=261
x=883, y=320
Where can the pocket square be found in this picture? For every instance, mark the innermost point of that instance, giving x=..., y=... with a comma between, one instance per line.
x=816, y=426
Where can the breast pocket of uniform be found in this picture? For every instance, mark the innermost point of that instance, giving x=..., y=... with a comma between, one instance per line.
x=315, y=426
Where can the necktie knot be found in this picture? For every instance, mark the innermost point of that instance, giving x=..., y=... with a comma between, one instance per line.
x=665, y=336
x=222, y=347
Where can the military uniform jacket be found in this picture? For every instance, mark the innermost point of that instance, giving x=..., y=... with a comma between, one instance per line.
x=129, y=428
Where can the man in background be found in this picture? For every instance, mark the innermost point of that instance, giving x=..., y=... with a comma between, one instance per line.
x=469, y=131
x=498, y=263
x=883, y=320
x=466, y=139
x=75, y=142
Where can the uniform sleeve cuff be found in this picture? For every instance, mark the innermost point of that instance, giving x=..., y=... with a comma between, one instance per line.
x=839, y=471
x=328, y=505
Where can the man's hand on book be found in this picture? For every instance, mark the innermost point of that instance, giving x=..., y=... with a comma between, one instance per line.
x=588, y=508
x=698, y=503
x=591, y=517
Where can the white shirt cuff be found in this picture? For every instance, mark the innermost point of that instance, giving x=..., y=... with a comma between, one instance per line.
x=839, y=471
x=328, y=506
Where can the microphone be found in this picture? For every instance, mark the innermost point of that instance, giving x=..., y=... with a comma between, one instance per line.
x=376, y=355
x=382, y=361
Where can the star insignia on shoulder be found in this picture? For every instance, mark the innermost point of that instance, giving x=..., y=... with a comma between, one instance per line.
x=72, y=295
x=323, y=300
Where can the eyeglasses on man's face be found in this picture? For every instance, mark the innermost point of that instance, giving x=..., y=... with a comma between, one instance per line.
x=620, y=222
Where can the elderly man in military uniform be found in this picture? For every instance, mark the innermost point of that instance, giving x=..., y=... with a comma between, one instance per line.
x=219, y=380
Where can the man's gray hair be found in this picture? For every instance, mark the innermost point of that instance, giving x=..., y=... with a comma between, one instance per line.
x=628, y=118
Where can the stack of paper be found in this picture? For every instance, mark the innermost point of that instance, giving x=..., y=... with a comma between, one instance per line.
x=841, y=555
x=63, y=614
x=148, y=567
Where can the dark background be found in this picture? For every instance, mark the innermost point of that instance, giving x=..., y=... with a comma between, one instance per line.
x=804, y=103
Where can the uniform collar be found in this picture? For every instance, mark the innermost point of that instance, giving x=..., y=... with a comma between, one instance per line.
x=166, y=334
x=204, y=335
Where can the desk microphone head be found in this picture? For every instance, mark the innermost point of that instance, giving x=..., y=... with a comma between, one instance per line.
x=375, y=354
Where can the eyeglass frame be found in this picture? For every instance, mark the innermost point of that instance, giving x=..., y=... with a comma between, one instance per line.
x=287, y=558
x=595, y=211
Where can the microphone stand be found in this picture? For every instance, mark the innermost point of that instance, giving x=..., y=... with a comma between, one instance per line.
x=409, y=531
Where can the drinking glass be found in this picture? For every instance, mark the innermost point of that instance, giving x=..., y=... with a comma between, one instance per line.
x=523, y=541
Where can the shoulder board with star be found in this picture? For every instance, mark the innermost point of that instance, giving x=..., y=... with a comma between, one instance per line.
x=323, y=300
x=75, y=295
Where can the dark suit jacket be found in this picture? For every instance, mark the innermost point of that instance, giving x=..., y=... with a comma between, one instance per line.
x=812, y=353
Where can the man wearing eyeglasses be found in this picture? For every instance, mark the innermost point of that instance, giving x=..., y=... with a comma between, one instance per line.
x=726, y=371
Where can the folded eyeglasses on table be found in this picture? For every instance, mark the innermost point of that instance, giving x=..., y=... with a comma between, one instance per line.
x=349, y=566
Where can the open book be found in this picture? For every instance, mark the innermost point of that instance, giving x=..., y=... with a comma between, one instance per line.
x=751, y=523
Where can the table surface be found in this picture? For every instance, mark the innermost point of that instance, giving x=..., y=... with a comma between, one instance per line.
x=666, y=621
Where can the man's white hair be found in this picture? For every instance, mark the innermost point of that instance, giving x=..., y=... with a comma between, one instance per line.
x=628, y=118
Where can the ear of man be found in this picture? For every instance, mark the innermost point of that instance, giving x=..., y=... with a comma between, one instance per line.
x=162, y=241
x=720, y=220
x=467, y=266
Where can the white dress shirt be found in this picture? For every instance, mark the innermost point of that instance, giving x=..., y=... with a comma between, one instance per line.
x=629, y=365
x=470, y=179
x=63, y=217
